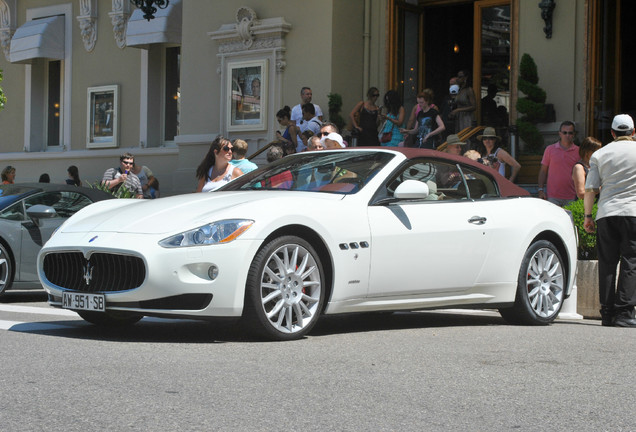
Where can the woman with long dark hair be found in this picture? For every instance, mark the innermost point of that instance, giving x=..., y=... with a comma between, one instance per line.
x=394, y=118
x=291, y=130
x=495, y=156
x=73, y=176
x=216, y=170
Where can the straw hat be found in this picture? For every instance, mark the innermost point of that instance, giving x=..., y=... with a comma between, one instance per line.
x=489, y=132
x=454, y=139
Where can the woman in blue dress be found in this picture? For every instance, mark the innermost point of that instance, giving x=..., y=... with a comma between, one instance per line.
x=394, y=119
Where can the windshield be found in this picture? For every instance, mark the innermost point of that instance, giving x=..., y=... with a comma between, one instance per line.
x=342, y=172
x=11, y=193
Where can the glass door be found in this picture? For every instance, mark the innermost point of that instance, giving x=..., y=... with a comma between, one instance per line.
x=605, y=73
x=410, y=56
x=492, y=63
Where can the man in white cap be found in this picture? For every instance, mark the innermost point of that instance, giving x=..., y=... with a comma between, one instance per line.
x=332, y=141
x=613, y=173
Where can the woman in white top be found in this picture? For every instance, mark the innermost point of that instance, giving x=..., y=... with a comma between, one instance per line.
x=216, y=170
x=495, y=156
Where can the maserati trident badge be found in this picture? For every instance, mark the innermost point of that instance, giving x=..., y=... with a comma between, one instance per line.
x=88, y=273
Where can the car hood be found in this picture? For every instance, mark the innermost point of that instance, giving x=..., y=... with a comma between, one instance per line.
x=182, y=212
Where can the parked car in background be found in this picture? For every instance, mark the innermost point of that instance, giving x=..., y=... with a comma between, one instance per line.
x=29, y=213
x=354, y=230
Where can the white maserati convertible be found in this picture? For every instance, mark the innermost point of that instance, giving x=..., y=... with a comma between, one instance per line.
x=315, y=233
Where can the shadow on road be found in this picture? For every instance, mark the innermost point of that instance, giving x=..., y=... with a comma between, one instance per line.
x=189, y=331
x=23, y=296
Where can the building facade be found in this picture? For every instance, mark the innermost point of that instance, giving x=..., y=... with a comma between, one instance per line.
x=87, y=80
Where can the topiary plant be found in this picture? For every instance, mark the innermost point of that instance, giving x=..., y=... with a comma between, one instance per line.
x=587, y=241
x=335, y=105
x=532, y=106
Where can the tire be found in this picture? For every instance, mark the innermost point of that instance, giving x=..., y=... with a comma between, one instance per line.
x=6, y=270
x=284, y=292
x=540, y=287
x=110, y=319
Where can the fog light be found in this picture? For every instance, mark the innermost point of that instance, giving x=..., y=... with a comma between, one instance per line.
x=213, y=272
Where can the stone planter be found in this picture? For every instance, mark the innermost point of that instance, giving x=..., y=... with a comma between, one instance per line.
x=588, y=303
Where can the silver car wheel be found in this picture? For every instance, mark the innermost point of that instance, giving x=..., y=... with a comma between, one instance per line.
x=5, y=269
x=290, y=288
x=545, y=283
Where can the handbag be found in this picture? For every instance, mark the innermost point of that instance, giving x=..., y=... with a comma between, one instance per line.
x=383, y=136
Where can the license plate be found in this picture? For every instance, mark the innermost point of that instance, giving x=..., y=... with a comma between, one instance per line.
x=82, y=301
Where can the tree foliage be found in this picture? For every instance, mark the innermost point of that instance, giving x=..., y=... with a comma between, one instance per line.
x=532, y=106
x=3, y=98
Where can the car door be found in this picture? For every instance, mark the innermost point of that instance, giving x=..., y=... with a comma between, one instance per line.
x=434, y=245
x=34, y=235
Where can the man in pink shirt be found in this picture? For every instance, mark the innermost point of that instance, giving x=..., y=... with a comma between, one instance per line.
x=556, y=167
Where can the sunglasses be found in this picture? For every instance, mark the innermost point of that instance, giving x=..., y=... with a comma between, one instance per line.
x=127, y=162
x=567, y=133
x=322, y=134
x=226, y=148
x=375, y=95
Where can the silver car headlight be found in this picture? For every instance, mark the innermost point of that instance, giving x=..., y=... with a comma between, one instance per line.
x=223, y=231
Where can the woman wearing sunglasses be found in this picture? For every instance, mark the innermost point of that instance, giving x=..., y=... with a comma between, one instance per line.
x=216, y=170
x=364, y=119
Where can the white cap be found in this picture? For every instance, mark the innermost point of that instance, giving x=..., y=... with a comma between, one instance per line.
x=622, y=123
x=334, y=137
x=454, y=89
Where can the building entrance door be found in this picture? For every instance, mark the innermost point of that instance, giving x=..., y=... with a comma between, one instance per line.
x=613, y=41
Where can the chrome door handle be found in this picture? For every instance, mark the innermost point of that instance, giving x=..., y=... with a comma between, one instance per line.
x=477, y=220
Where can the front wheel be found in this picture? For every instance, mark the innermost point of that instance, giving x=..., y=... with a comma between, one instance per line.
x=540, y=287
x=284, y=292
x=5, y=269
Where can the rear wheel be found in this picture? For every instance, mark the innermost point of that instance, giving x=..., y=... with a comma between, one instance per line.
x=6, y=269
x=110, y=319
x=540, y=287
x=284, y=292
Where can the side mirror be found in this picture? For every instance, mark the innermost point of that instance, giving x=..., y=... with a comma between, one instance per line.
x=411, y=189
x=40, y=211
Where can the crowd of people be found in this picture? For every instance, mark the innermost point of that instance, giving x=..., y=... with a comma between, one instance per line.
x=138, y=179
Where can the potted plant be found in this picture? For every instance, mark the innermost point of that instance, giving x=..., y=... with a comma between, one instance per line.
x=587, y=242
x=588, y=303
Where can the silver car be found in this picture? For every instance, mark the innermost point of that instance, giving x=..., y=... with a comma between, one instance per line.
x=29, y=214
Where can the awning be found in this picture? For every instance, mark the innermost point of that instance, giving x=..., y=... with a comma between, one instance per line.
x=165, y=27
x=39, y=38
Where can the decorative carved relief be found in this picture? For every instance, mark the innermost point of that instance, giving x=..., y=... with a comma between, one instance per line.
x=7, y=25
x=88, y=23
x=119, y=18
x=252, y=34
x=245, y=18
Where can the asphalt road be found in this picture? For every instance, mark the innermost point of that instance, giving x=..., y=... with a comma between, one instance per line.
x=431, y=371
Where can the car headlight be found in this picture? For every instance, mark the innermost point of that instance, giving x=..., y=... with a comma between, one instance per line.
x=213, y=233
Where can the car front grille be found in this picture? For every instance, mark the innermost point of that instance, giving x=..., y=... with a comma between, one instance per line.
x=103, y=272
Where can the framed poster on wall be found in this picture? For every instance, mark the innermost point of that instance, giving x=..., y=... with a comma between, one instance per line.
x=247, y=92
x=102, y=115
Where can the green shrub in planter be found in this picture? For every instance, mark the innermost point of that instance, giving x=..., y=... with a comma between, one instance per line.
x=587, y=241
x=120, y=192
